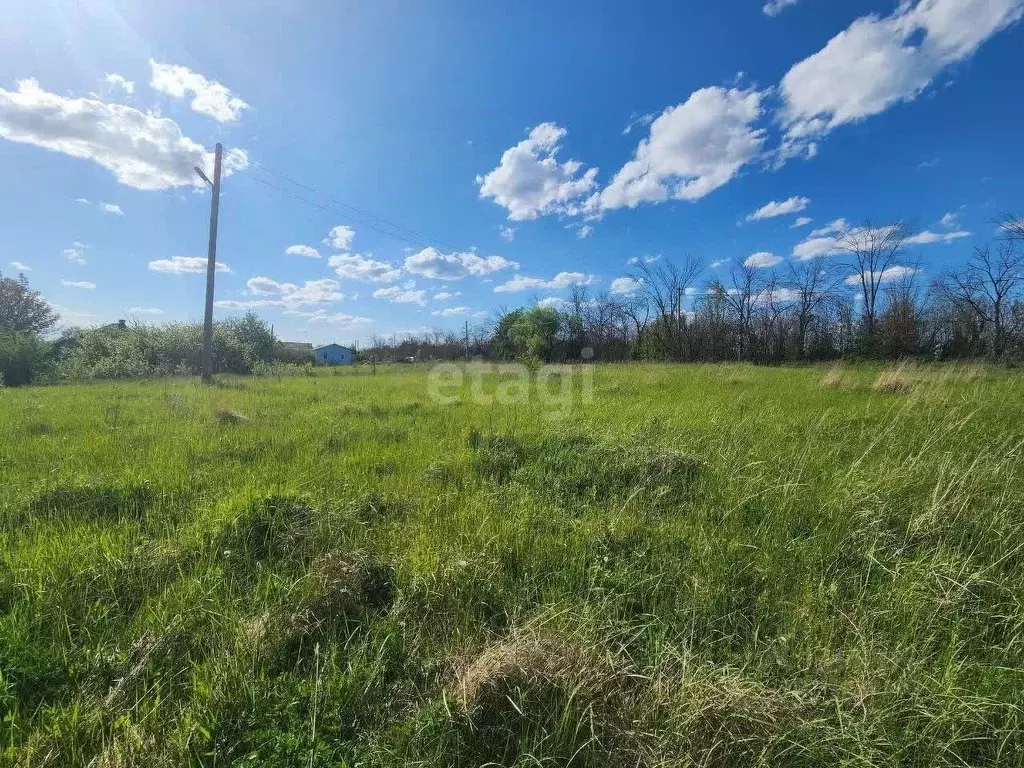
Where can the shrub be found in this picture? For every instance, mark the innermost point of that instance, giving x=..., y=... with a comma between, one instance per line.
x=240, y=345
x=24, y=357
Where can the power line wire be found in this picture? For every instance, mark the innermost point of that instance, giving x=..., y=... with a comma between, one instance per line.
x=335, y=212
x=387, y=222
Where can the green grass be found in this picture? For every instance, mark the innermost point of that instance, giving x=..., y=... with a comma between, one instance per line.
x=708, y=565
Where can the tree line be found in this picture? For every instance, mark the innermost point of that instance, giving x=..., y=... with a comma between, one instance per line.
x=866, y=299
x=124, y=350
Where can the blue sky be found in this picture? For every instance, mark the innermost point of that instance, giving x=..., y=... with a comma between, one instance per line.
x=456, y=157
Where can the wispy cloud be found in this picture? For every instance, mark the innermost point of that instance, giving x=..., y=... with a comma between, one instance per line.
x=184, y=265
x=210, y=98
x=119, y=81
x=788, y=206
x=775, y=7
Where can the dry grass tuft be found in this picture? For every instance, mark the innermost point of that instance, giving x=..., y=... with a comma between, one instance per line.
x=894, y=380
x=528, y=662
x=719, y=716
x=540, y=685
x=835, y=378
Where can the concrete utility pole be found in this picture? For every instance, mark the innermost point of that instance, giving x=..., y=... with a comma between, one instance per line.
x=211, y=264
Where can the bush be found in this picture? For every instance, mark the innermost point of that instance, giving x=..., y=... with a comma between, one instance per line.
x=24, y=357
x=240, y=345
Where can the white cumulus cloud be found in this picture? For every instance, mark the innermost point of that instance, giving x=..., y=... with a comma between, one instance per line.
x=271, y=293
x=877, y=62
x=445, y=295
x=340, y=237
x=303, y=250
x=530, y=181
x=210, y=98
x=310, y=292
x=451, y=311
x=816, y=246
x=398, y=294
x=112, y=208
x=892, y=273
x=552, y=302
x=78, y=284
x=356, y=266
x=144, y=311
x=433, y=264
x=833, y=227
x=625, y=286
x=561, y=280
x=692, y=149
x=342, y=320
x=140, y=149
x=801, y=221
x=20, y=267
x=928, y=238
x=761, y=260
x=826, y=241
x=184, y=265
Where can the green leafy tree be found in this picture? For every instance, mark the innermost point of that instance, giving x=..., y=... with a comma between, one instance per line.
x=534, y=333
x=23, y=310
x=502, y=345
x=255, y=336
x=24, y=357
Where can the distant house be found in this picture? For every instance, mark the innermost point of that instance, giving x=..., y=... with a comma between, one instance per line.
x=295, y=351
x=335, y=354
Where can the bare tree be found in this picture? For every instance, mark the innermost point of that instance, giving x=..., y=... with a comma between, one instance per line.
x=748, y=286
x=636, y=310
x=665, y=284
x=900, y=323
x=813, y=285
x=874, y=253
x=1012, y=227
x=578, y=304
x=987, y=286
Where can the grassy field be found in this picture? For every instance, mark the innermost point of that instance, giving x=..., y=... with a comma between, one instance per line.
x=710, y=565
